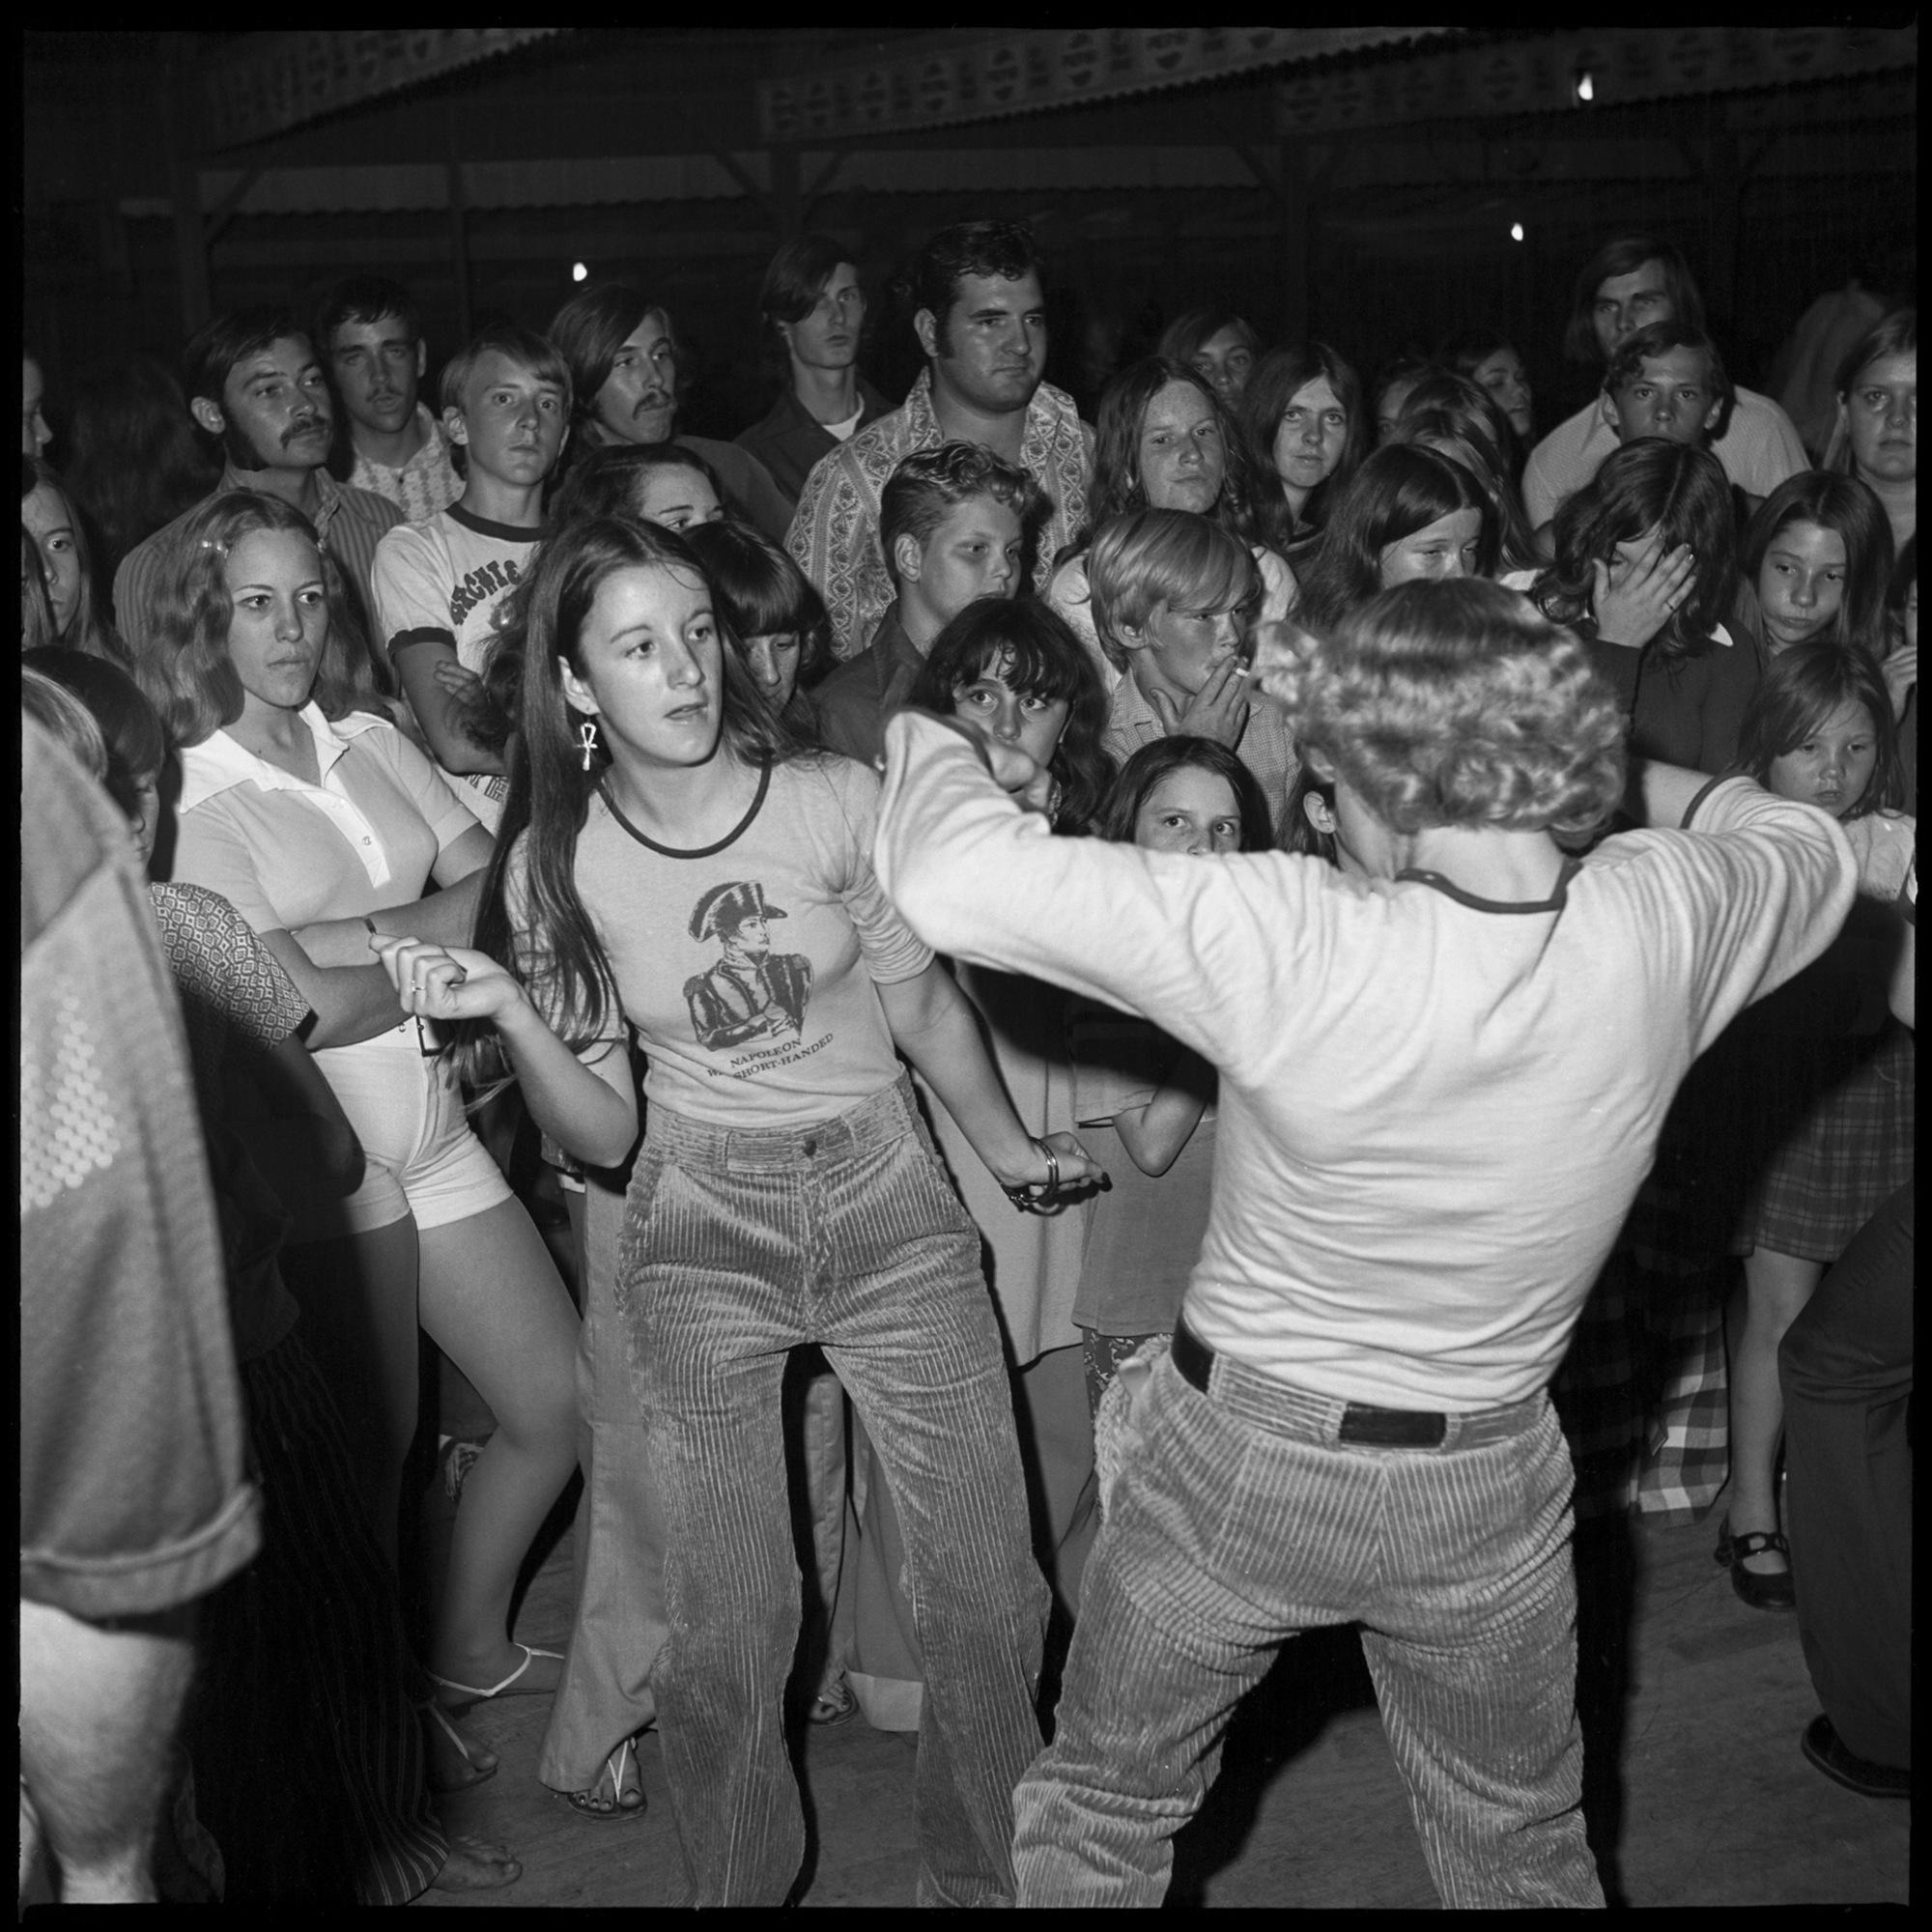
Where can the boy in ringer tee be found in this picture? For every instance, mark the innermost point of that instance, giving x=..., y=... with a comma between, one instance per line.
x=440, y=583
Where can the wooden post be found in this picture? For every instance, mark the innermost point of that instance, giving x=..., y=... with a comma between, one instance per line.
x=1723, y=197
x=185, y=187
x=1297, y=237
x=787, y=206
x=459, y=231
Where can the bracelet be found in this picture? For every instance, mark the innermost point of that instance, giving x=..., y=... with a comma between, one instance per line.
x=1038, y=1196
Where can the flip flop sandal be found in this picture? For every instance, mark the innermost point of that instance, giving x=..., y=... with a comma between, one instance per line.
x=471, y=1695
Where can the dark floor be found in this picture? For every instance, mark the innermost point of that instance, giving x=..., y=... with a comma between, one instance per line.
x=1697, y=1792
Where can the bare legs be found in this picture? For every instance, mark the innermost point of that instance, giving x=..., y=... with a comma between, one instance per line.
x=492, y=1301
x=1777, y=1288
x=488, y=1293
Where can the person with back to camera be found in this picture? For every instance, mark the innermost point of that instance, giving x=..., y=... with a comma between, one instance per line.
x=1478, y=1042
x=814, y=309
x=979, y=313
x=1630, y=282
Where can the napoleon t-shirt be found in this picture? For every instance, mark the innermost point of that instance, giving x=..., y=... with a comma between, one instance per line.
x=750, y=968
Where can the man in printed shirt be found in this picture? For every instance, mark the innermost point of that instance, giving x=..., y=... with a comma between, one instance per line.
x=1441, y=1082
x=981, y=321
x=256, y=387
x=370, y=331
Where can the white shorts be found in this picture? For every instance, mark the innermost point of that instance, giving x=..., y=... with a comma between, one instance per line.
x=421, y=1158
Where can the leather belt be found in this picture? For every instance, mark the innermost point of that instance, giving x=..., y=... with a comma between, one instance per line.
x=1362, y=1423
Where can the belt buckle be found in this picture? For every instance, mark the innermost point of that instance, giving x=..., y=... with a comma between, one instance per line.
x=1375, y=1428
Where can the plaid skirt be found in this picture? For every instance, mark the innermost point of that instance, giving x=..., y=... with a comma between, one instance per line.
x=1842, y=1115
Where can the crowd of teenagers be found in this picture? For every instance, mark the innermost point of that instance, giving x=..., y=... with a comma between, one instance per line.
x=1050, y=1051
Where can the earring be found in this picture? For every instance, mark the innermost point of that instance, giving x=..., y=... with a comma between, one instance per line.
x=586, y=734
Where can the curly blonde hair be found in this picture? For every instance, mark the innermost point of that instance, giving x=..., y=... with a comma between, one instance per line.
x=1458, y=703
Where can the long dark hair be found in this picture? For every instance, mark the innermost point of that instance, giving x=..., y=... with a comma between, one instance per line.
x=762, y=593
x=1685, y=493
x=1137, y=779
x=1802, y=686
x=1031, y=649
x=1280, y=375
x=552, y=945
x=1445, y=408
x=1845, y=506
x=1398, y=491
x=1118, y=486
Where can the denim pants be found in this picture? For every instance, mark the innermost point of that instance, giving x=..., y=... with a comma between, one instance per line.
x=1237, y=1520
x=737, y=1246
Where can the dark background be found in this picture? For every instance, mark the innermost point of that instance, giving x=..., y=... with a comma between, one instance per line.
x=1777, y=194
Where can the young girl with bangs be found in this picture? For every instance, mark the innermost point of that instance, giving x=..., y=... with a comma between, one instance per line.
x=1152, y=1097
x=1824, y=1100
x=1408, y=514
x=1817, y=559
x=675, y=863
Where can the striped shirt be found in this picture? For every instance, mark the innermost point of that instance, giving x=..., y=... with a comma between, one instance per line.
x=350, y=524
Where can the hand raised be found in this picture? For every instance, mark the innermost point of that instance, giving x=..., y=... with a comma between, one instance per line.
x=1634, y=599
x=1218, y=710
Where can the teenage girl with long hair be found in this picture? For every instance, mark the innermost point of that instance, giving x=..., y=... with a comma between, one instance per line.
x=673, y=864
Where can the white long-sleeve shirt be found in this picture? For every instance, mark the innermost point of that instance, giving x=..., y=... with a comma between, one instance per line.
x=1435, y=1111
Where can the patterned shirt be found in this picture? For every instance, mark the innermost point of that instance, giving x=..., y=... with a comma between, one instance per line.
x=425, y=484
x=834, y=537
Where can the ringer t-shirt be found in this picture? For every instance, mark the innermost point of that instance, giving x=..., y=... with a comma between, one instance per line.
x=1435, y=1111
x=750, y=968
x=445, y=579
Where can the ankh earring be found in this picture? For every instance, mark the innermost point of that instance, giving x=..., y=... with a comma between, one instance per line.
x=586, y=733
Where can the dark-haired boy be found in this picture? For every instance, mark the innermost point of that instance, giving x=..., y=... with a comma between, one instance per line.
x=370, y=331
x=981, y=321
x=814, y=309
x=440, y=583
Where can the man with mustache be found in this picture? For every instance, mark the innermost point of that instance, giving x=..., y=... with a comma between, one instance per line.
x=369, y=331
x=980, y=317
x=255, y=387
x=623, y=356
